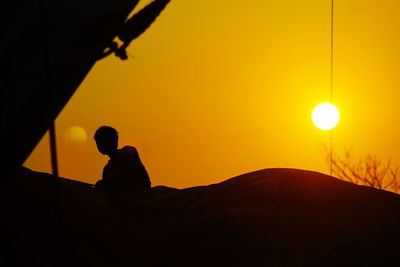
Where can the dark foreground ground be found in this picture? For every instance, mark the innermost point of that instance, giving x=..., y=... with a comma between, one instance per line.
x=272, y=217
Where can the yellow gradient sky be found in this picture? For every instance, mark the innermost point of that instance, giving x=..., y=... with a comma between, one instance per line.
x=219, y=88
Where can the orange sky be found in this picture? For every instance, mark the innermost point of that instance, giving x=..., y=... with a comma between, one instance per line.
x=216, y=89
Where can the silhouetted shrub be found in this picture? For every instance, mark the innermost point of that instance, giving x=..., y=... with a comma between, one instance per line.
x=369, y=170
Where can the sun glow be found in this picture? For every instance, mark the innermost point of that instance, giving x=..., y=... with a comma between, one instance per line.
x=325, y=116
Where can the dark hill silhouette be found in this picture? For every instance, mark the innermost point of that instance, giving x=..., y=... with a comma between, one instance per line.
x=271, y=217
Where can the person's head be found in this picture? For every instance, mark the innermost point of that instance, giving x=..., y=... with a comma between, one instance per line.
x=106, y=139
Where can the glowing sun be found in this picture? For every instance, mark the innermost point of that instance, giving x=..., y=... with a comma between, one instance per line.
x=325, y=116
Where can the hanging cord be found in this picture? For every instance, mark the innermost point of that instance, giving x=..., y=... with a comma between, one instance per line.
x=331, y=83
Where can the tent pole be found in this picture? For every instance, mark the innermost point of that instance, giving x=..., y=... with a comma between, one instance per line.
x=53, y=149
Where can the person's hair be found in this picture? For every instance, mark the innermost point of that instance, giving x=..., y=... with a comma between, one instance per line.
x=105, y=131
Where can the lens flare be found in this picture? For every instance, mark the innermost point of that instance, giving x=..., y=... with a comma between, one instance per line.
x=76, y=134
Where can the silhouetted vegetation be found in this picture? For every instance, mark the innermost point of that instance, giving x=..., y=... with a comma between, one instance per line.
x=369, y=170
x=134, y=27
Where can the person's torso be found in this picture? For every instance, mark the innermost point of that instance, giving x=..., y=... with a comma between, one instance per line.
x=126, y=169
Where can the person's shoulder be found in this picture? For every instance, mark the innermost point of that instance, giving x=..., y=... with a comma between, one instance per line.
x=128, y=150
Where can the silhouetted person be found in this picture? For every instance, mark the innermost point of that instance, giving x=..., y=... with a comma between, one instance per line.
x=124, y=171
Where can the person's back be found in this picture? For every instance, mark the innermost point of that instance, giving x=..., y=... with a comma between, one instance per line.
x=124, y=171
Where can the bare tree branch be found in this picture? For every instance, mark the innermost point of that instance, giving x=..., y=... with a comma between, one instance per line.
x=369, y=170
